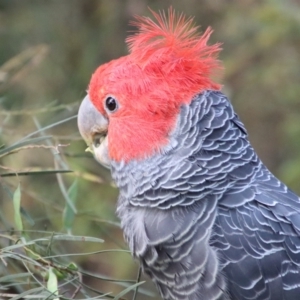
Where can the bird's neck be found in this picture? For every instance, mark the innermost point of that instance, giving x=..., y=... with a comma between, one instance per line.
x=208, y=153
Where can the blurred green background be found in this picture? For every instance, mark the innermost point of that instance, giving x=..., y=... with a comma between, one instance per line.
x=48, y=51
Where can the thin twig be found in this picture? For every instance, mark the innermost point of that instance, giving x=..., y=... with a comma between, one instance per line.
x=79, y=286
x=35, y=146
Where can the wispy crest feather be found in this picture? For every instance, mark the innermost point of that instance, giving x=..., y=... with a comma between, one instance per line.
x=166, y=32
x=173, y=42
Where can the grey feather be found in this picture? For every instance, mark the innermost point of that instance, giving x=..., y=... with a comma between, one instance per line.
x=205, y=217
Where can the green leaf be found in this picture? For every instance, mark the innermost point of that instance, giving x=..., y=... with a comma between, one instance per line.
x=13, y=277
x=63, y=237
x=17, y=208
x=68, y=214
x=124, y=292
x=72, y=266
x=52, y=285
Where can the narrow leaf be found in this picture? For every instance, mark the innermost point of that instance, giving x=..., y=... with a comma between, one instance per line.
x=77, y=238
x=52, y=284
x=13, y=277
x=17, y=208
x=29, y=292
x=68, y=214
x=44, y=172
x=124, y=292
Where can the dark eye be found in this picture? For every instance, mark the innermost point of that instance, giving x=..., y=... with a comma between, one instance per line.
x=111, y=103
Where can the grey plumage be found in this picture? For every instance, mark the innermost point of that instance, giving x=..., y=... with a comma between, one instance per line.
x=206, y=219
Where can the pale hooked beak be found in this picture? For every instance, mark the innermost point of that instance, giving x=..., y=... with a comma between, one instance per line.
x=93, y=128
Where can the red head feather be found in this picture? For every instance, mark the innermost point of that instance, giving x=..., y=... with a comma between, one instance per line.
x=168, y=64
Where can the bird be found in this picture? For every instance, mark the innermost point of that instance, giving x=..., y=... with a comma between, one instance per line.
x=199, y=210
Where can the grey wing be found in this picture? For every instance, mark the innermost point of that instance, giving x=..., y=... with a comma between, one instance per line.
x=173, y=248
x=257, y=228
x=253, y=220
x=259, y=241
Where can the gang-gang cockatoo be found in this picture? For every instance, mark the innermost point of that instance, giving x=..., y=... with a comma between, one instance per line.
x=199, y=210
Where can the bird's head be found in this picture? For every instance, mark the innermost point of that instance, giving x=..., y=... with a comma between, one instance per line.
x=133, y=102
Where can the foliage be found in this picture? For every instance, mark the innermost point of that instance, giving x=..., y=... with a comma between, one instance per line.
x=38, y=263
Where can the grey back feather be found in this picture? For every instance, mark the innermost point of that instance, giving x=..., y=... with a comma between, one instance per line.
x=206, y=219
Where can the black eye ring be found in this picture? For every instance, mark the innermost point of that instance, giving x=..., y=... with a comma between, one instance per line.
x=111, y=104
